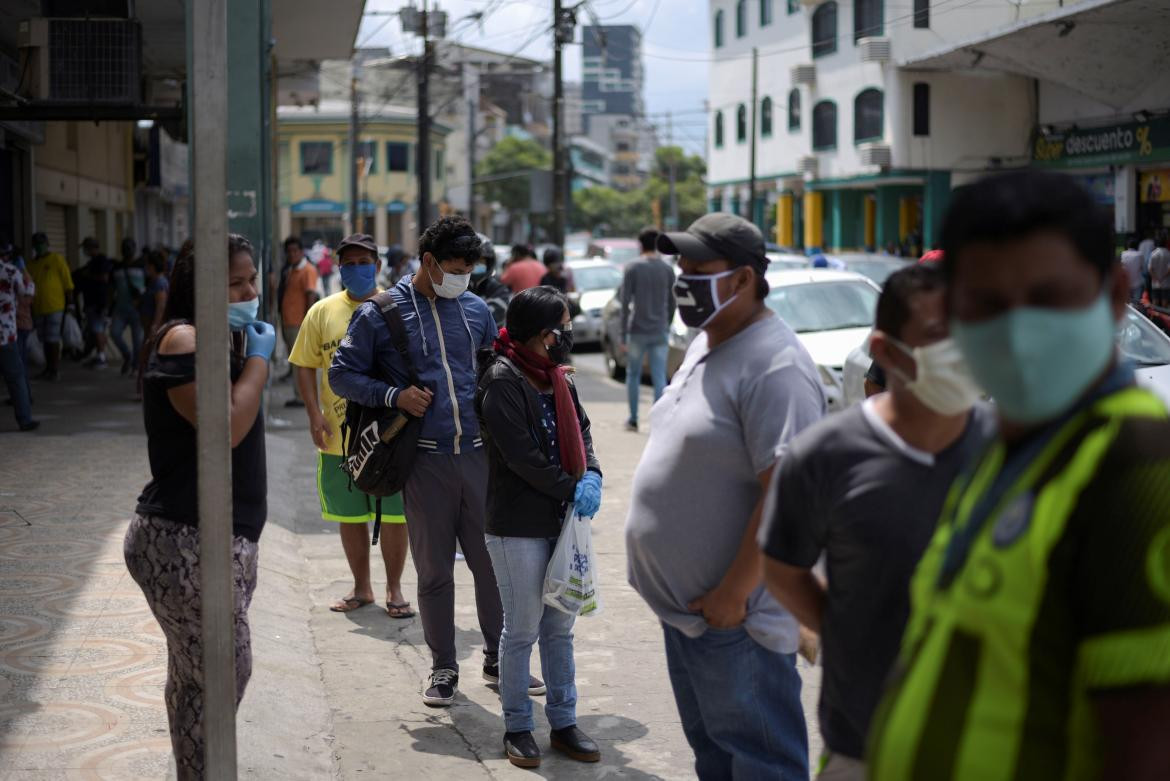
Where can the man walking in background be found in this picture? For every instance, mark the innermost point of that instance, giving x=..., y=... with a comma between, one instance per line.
x=54, y=290
x=320, y=334
x=14, y=285
x=95, y=296
x=297, y=292
x=647, y=298
x=524, y=270
x=129, y=285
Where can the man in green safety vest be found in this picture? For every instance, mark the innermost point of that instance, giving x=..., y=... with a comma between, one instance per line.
x=1038, y=645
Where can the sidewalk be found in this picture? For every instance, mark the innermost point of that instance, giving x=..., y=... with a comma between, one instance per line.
x=82, y=663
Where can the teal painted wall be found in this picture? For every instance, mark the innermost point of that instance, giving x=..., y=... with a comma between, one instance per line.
x=936, y=197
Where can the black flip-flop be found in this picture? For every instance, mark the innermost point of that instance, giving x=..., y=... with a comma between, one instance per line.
x=399, y=606
x=351, y=603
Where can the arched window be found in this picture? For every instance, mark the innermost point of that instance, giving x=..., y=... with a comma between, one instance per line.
x=867, y=19
x=741, y=123
x=741, y=19
x=824, y=29
x=794, y=110
x=718, y=129
x=868, y=115
x=766, y=117
x=718, y=29
x=824, y=134
x=765, y=13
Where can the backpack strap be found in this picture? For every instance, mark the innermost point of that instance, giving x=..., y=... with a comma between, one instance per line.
x=377, y=522
x=389, y=309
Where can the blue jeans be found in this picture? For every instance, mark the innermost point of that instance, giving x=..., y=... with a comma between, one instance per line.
x=739, y=704
x=641, y=345
x=520, y=564
x=122, y=321
x=12, y=367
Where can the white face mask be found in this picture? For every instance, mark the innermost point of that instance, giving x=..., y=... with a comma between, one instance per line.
x=944, y=383
x=451, y=285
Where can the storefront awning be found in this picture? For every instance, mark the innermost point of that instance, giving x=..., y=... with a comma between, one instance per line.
x=396, y=207
x=1113, y=51
x=318, y=206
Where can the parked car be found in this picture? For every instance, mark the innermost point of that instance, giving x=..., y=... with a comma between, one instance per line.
x=876, y=267
x=616, y=251
x=780, y=261
x=576, y=245
x=596, y=281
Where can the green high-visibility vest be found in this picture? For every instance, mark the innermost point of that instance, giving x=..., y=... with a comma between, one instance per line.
x=1063, y=590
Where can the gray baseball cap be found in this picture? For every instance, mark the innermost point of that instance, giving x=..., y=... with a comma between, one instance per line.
x=718, y=236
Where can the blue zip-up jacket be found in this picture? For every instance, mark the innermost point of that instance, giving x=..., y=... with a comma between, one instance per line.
x=443, y=337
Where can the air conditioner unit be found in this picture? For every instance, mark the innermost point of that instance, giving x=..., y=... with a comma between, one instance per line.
x=875, y=49
x=81, y=61
x=804, y=74
x=807, y=167
x=877, y=154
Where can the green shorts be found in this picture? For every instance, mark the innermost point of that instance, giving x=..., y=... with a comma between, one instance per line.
x=344, y=503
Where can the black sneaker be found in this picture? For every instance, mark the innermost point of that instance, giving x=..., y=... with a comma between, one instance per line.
x=32, y=425
x=491, y=674
x=521, y=750
x=294, y=403
x=631, y=425
x=441, y=688
x=575, y=744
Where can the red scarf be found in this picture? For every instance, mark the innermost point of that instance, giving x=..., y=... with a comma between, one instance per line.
x=569, y=440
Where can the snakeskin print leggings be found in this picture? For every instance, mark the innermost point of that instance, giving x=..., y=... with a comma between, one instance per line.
x=163, y=558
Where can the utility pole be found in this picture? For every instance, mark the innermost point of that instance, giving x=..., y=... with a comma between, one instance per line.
x=755, y=107
x=562, y=24
x=472, y=134
x=423, y=157
x=354, y=109
x=672, y=218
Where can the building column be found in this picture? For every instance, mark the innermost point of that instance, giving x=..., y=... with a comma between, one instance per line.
x=785, y=221
x=871, y=223
x=935, y=198
x=886, y=217
x=907, y=216
x=814, y=210
x=381, y=226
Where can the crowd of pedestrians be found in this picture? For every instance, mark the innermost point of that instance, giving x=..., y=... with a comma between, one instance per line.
x=988, y=579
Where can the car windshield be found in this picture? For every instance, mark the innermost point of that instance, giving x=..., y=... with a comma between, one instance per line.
x=877, y=269
x=1141, y=342
x=597, y=278
x=623, y=255
x=825, y=306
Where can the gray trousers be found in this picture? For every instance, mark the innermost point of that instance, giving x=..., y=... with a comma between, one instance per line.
x=446, y=500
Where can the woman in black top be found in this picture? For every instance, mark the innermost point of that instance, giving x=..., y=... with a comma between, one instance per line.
x=162, y=543
x=541, y=462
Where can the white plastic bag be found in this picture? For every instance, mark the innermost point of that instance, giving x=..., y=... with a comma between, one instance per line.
x=35, y=352
x=570, y=582
x=71, y=334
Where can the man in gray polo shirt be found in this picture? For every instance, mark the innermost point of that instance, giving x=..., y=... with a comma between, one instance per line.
x=745, y=388
x=647, y=297
x=864, y=489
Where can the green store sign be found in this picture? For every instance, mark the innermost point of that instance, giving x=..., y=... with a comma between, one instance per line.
x=1133, y=142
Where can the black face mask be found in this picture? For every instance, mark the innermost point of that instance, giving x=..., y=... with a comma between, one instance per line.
x=559, y=352
x=697, y=296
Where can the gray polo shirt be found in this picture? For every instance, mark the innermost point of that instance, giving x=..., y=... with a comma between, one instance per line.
x=851, y=489
x=725, y=418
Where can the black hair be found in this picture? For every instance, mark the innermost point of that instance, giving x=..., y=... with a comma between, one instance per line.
x=1015, y=205
x=521, y=251
x=893, y=307
x=487, y=253
x=1133, y=243
x=450, y=237
x=534, y=310
x=180, y=306
x=762, y=286
x=553, y=255
x=648, y=238
x=293, y=241
x=157, y=260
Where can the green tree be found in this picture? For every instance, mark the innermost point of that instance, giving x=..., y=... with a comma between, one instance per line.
x=610, y=211
x=512, y=156
x=618, y=213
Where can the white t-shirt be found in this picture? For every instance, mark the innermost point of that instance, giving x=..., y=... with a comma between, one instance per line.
x=1133, y=263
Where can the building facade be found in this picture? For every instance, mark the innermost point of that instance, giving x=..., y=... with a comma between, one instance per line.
x=611, y=70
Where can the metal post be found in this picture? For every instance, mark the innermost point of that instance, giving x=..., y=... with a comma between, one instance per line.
x=354, y=217
x=423, y=147
x=207, y=20
x=672, y=219
x=472, y=133
x=755, y=107
x=558, y=235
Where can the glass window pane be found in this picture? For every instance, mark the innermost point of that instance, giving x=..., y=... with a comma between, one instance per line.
x=316, y=157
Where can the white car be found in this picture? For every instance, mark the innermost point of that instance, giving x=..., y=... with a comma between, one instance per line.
x=830, y=311
x=596, y=281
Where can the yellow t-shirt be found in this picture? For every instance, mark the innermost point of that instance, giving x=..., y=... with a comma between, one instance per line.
x=321, y=332
x=51, y=275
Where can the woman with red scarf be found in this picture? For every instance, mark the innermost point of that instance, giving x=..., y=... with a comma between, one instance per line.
x=541, y=461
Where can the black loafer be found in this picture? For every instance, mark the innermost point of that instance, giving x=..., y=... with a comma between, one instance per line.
x=575, y=744
x=521, y=749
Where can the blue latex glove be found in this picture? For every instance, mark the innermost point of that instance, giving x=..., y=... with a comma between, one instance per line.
x=587, y=499
x=261, y=339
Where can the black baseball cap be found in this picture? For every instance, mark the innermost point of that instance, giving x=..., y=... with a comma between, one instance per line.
x=363, y=240
x=718, y=236
x=89, y=242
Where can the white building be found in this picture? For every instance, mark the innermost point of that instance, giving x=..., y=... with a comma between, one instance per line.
x=853, y=148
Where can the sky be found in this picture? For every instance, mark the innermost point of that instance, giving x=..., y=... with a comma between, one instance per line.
x=675, y=29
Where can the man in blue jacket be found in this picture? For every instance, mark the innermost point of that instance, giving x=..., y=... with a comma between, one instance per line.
x=446, y=494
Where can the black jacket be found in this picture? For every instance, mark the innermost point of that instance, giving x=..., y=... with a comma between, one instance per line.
x=495, y=294
x=526, y=491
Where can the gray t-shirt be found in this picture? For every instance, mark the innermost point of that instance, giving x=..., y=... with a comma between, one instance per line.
x=647, y=297
x=725, y=418
x=852, y=489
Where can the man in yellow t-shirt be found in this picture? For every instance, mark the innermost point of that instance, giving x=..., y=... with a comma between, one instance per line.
x=54, y=285
x=320, y=333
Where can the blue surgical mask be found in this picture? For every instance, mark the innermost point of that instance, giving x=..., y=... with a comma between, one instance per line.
x=479, y=270
x=241, y=313
x=1036, y=362
x=359, y=280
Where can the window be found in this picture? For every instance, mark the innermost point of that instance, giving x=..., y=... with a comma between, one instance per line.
x=793, y=6
x=922, y=13
x=623, y=146
x=867, y=19
x=921, y=108
x=368, y=153
x=397, y=157
x=868, y=115
x=316, y=157
x=440, y=172
x=718, y=129
x=794, y=110
x=765, y=13
x=718, y=29
x=741, y=19
x=824, y=29
x=741, y=123
x=766, y=117
x=824, y=134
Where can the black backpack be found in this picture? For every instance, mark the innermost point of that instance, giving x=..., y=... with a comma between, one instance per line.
x=380, y=443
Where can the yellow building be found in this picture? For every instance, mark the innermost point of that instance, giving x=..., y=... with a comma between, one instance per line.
x=313, y=177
